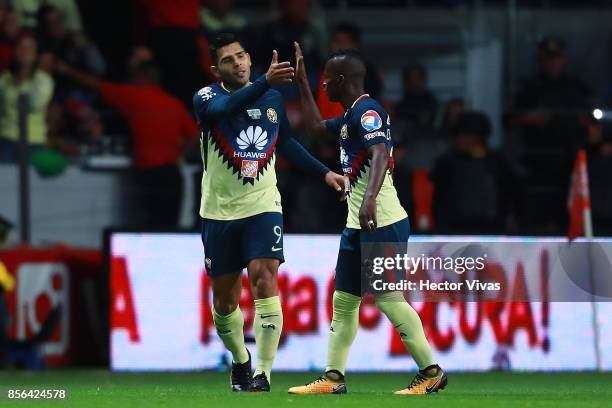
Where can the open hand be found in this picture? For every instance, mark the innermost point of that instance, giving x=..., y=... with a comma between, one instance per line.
x=279, y=73
x=300, y=67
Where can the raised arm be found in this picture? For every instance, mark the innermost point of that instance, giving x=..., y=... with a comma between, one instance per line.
x=208, y=104
x=310, y=112
x=83, y=78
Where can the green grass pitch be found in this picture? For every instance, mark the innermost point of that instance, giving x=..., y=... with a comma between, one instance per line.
x=98, y=388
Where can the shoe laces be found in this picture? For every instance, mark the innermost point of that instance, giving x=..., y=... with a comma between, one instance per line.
x=417, y=380
x=319, y=380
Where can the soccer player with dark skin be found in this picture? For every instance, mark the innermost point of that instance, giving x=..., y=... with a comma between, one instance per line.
x=374, y=216
x=243, y=125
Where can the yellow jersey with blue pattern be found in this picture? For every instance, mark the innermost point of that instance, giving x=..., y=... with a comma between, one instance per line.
x=240, y=133
x=364, y=124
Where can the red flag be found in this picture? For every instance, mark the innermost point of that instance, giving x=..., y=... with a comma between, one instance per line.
x=579, y=203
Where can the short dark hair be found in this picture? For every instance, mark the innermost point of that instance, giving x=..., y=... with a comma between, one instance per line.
x=349, y=53
x=220, y=41
x=473, y=122
x=349, y=29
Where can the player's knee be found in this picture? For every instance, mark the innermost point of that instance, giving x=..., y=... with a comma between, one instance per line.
x=225, y=306
x=384, y=300
x=262, y=278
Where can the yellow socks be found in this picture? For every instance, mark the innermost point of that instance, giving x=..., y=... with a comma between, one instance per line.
x=230, y=330
x=268, y=325
x=345, y=322
x=408, y=324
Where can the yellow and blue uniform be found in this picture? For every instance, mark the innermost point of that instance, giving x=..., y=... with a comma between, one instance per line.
x=241, y=205
x=365, y=124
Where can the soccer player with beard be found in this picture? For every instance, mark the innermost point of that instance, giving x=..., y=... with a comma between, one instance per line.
x=375, y=215
x=242, y=125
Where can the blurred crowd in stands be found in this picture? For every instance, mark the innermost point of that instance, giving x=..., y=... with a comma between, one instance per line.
x=130, y=92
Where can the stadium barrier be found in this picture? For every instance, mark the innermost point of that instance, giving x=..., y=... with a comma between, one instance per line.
x=161, y=319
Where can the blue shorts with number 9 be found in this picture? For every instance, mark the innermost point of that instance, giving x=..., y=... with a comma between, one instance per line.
x=230, y=245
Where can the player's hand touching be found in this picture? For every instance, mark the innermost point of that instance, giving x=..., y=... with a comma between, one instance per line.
x=300, y=66
x=339, y=183
x=367, y=214
x=279, y=73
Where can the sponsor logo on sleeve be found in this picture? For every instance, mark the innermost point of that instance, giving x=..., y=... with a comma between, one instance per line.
x=206, y=93
x=344, y=131
x=254, y=113
x=272, y=116
x=344, y=158
x=369, y=136
x=371, y=121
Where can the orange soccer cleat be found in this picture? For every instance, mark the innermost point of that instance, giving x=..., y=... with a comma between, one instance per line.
x=426, y=383
x=332, y=382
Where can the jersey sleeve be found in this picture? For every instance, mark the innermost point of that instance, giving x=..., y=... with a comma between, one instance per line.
x=372, y=126
x=209, y=103
x=333, y=125
x=292, y=150
x=285, y=132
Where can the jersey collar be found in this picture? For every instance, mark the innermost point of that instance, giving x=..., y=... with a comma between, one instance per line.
x=358, y=99
x=227, y=90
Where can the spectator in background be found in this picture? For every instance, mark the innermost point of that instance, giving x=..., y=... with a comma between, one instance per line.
x=599, y=160
x=72, y=117
x=216, y=17
x=293, y=25
x=9, y=33
x=346, y=36
x=161, y=129
x=72, y=47
x=23, y=77
x=419, y=105
x=28, y=12
x=173, y=30
x=452, y=112
x=473, y=186
x=139, y=54
x=417, y=141
x=549, y=114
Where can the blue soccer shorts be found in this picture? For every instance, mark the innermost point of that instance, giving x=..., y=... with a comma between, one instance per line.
x=230, y=245
x=349, y=265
